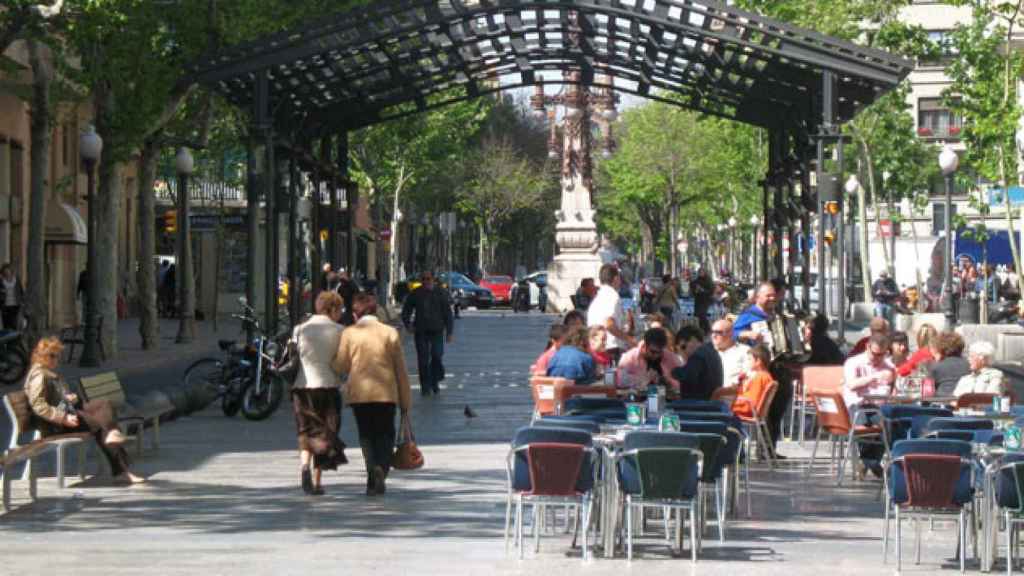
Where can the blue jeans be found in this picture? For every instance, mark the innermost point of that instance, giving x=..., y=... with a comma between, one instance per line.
x=429, y=350
x=884, y=310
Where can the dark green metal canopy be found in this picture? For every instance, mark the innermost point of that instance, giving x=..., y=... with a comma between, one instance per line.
x=397, y=57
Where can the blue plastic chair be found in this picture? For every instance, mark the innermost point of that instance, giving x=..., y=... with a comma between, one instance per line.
x=661, y=470
x=928, y=477
x=1009, y=496
x=588, y=426
x=699, y=406
x=582, y=405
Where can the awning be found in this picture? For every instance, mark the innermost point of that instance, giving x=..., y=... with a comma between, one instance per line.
x=64, y=225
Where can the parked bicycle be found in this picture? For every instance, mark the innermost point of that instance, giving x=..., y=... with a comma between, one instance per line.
x=244, y=379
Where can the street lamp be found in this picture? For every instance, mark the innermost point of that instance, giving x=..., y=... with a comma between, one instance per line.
x=851, y=187
x=755, y=223
x=90, y=146
x=948, y=163
x=184, y=164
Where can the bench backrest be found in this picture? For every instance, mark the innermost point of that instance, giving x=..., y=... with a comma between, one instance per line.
x=20, y=414
x=105, y=386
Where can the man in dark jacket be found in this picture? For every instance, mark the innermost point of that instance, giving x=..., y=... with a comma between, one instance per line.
x=703, y=373
x=433, y=318
x=347, y=290
x=703, y=291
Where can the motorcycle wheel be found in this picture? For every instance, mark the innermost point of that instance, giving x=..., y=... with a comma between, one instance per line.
x=260, y=405
x=13, y=365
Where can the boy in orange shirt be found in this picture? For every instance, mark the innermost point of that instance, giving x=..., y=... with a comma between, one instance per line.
x=754, y=384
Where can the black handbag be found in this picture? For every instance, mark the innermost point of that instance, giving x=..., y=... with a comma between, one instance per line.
x=288, y=367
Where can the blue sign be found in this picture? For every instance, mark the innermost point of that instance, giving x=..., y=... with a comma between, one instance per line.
x=996, y=196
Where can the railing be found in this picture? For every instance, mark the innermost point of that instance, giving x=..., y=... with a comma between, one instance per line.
x=201, y=192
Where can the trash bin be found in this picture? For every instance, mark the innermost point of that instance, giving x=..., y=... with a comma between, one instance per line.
x=969, y=310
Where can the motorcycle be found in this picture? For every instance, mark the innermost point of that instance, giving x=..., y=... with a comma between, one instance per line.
x=521, y=296
x=244, y=380
x=1005, y=312
x=13, y=357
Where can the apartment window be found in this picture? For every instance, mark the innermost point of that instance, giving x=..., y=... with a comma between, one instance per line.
x=943, y=39
x=934, y=120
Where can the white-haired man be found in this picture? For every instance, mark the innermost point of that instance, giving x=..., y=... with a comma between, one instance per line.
x=983, y=379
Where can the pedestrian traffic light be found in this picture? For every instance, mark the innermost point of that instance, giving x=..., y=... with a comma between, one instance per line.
x=832, y=208
x=171, y=221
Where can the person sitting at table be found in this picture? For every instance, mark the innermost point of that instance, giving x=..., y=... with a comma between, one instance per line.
x=868, y=374
x=734, y=356
x=878, y=325
x=899, y=348
x=755, y=383
x=983, y=379
x=824, y=350
x=574, y=319
x=573, y=361
x=701, y=372
x=598, y=337
x=555, y=335
x=951, y=366
x=923, y=355
x=649, y=362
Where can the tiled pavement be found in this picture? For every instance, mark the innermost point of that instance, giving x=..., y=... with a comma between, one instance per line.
x=223, y=499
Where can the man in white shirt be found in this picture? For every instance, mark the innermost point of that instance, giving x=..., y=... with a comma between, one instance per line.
x=735, y=356
x=606, y=310
x=868, y=374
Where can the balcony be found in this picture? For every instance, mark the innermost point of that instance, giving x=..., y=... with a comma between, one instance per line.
x=939, y=132
x=201, y=193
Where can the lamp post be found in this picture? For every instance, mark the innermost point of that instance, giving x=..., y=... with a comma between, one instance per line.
x=90, y=146
x=732, y=244
x=892, y=224
x=184, y=164
x=948, y=163
x=755, y=223
x=851, y=187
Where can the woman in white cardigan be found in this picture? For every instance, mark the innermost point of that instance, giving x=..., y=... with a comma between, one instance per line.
x=316, y=396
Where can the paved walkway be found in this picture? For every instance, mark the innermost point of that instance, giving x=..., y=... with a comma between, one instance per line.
x=223, y=498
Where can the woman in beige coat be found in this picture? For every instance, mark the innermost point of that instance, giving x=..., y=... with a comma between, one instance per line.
x=371, y=354
x=316, y=400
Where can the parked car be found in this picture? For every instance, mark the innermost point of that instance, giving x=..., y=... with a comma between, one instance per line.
x=500, y=286
x=464, y=292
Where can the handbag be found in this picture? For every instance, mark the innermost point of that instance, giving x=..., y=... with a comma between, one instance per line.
x=407, y=456
x=288, y=367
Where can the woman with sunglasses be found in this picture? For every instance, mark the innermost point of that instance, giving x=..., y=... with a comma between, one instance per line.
x=55, y=410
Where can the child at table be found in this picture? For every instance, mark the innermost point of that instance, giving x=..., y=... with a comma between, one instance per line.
x=755, y=383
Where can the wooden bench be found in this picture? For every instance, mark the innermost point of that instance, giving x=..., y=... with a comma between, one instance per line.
x=20, y=414
x=72, y=336
x=107, y=386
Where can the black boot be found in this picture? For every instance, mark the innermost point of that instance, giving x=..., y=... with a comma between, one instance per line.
x=307, y=480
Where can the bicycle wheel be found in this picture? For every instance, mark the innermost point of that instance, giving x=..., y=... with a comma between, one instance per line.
x=207, y=373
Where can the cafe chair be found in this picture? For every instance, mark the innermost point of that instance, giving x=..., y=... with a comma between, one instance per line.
x=834, y=421
x=549, y=466
x=757, y=423
x=964, y=424
x=694, y=405
x=584, y=405
x=586, y=425
x=735, y=436
x=717, y=457
x=811, y=379
x=1009, y=497
x=662, y=470
x=928, y=478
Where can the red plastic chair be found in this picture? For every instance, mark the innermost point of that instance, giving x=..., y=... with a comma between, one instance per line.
x=757, y=422
x=834, y=419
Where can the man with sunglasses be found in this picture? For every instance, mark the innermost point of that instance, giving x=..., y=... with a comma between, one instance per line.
x=868, y=374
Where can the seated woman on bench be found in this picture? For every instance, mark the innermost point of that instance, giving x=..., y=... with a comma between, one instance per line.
x=57, y=411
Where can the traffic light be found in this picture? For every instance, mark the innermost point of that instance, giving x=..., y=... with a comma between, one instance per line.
x=832, y=207
x=171, y=221
x=830, y=237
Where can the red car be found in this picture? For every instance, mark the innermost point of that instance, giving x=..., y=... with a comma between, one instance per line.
x=500, y=286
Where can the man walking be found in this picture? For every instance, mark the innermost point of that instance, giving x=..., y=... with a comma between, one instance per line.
x=433, y=319
x=703, y=292
x=886, y=294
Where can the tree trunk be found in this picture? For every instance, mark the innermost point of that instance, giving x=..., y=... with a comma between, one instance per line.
x=36, y=302
x=483, y=249
x=149, y=323
x=870, y=163
x=107, y=204
x=917, y=258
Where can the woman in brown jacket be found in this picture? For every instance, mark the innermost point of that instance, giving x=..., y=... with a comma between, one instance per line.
x=370, y=353
x=58, y=411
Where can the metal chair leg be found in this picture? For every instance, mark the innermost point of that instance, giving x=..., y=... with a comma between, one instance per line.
x=899, y=541
x=694, y=542
x=519, y=527
x=629, y=528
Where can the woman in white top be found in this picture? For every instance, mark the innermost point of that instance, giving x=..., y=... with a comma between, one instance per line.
x=11, y=297
x=316, y=395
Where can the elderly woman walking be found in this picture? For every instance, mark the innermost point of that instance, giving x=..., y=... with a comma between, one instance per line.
x=58, y=411
x=316, y=398
x=371, y=354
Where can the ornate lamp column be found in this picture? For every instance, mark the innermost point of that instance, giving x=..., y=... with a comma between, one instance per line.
x=575, y=231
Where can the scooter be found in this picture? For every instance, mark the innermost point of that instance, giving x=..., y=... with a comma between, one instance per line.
x=521, y=296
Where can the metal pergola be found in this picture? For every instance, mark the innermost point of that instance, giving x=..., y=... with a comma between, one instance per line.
x=399, y=57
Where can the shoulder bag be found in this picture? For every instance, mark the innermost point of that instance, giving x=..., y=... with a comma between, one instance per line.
x=288, y=367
